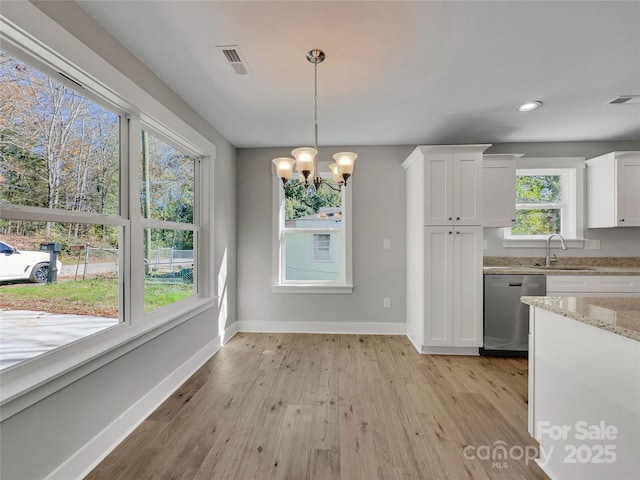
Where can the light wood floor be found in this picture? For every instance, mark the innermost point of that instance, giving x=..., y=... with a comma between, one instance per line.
x=275, y=406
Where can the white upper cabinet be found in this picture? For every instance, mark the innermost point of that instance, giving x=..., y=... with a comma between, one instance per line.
x=452, y=183
x=613, y=190
x=499, y=189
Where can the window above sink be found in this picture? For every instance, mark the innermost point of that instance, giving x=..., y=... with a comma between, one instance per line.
x=549, y=199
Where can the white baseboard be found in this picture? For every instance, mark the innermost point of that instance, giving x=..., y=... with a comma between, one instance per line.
x=88, y=457
x=229, y=332
x=470, y=351
x=416, y=343
x=363, y=328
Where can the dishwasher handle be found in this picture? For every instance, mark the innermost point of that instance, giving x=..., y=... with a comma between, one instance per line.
x=515, y=284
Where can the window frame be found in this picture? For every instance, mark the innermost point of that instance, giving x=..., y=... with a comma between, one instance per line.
x=34, y=38
x=171, y=225
x=279, y=284
x=566, y=205
x=575, y=167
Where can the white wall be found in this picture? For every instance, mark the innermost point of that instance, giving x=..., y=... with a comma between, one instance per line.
x=378, y=213
x=38, y=439
x=614, y=242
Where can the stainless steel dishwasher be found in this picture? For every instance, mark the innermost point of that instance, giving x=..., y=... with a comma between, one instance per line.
x=506, y=319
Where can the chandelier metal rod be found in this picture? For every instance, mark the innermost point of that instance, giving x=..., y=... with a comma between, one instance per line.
x=316, y=174
x=315, y=103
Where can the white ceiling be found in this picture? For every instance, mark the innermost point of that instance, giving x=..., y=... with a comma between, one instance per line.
x=396, y=72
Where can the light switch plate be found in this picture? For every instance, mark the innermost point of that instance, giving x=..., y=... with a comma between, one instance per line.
x=386, y=243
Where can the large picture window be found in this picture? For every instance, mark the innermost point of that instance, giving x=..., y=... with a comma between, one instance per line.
x=121, y=215
x=60, y=189
x=104, y=226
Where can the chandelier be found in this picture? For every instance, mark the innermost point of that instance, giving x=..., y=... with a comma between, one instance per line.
x=306, y=158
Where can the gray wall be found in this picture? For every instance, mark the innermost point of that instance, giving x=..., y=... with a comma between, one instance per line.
x=41, y=437
x=614, y=242
x=378, y=213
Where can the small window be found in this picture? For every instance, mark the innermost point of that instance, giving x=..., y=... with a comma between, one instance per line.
x=311, y=247
x=305, y=214
x=321, y=247
x=545, y=204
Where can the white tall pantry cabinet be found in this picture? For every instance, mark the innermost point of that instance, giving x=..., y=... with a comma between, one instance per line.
x=444, y=190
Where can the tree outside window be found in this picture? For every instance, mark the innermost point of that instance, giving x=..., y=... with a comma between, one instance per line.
x=545, y=203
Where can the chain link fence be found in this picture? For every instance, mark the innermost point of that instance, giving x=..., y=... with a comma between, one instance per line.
x=164, y=265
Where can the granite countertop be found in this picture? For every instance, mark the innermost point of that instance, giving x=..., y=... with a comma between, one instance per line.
x=620, y=315
x=564, y=266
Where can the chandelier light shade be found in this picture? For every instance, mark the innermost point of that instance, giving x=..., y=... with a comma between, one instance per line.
x=306, y=158
x=284, y=165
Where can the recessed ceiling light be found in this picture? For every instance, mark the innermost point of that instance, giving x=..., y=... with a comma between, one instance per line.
x=527, y=107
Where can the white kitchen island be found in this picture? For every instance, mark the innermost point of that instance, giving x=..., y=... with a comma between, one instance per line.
x=584, y=386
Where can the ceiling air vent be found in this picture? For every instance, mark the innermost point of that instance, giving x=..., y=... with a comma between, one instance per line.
x=626, y=100
x=233, y=56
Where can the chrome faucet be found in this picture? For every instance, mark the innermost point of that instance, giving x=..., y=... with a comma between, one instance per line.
x=547, y=259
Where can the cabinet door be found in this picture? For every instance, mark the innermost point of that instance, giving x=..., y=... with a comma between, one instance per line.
x=499, y=192
x=467, y=286
x=628, y=181
x=467, y=188
x=438, y=189
x=438, y=286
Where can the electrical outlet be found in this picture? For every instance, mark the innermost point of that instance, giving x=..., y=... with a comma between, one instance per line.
x=386, y=302
x=386, y=243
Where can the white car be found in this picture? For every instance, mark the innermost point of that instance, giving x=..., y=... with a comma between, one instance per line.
x=24, y=265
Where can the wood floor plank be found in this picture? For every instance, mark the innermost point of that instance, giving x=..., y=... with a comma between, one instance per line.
x=293, y=406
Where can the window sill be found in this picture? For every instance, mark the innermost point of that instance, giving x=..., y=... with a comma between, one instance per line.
x=34, y=379
x=317, y=288
x=540, y=243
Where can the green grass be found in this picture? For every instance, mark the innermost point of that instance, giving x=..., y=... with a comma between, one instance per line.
x=97, y=296
x=157, y=295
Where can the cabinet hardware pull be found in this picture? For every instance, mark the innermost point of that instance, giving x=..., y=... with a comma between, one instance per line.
x=457, y=218
x=457, y=233
x=450, y=218
x=450, y=233
x=513, y=219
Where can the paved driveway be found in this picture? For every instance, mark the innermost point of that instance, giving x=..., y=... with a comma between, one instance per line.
x=25, y=334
